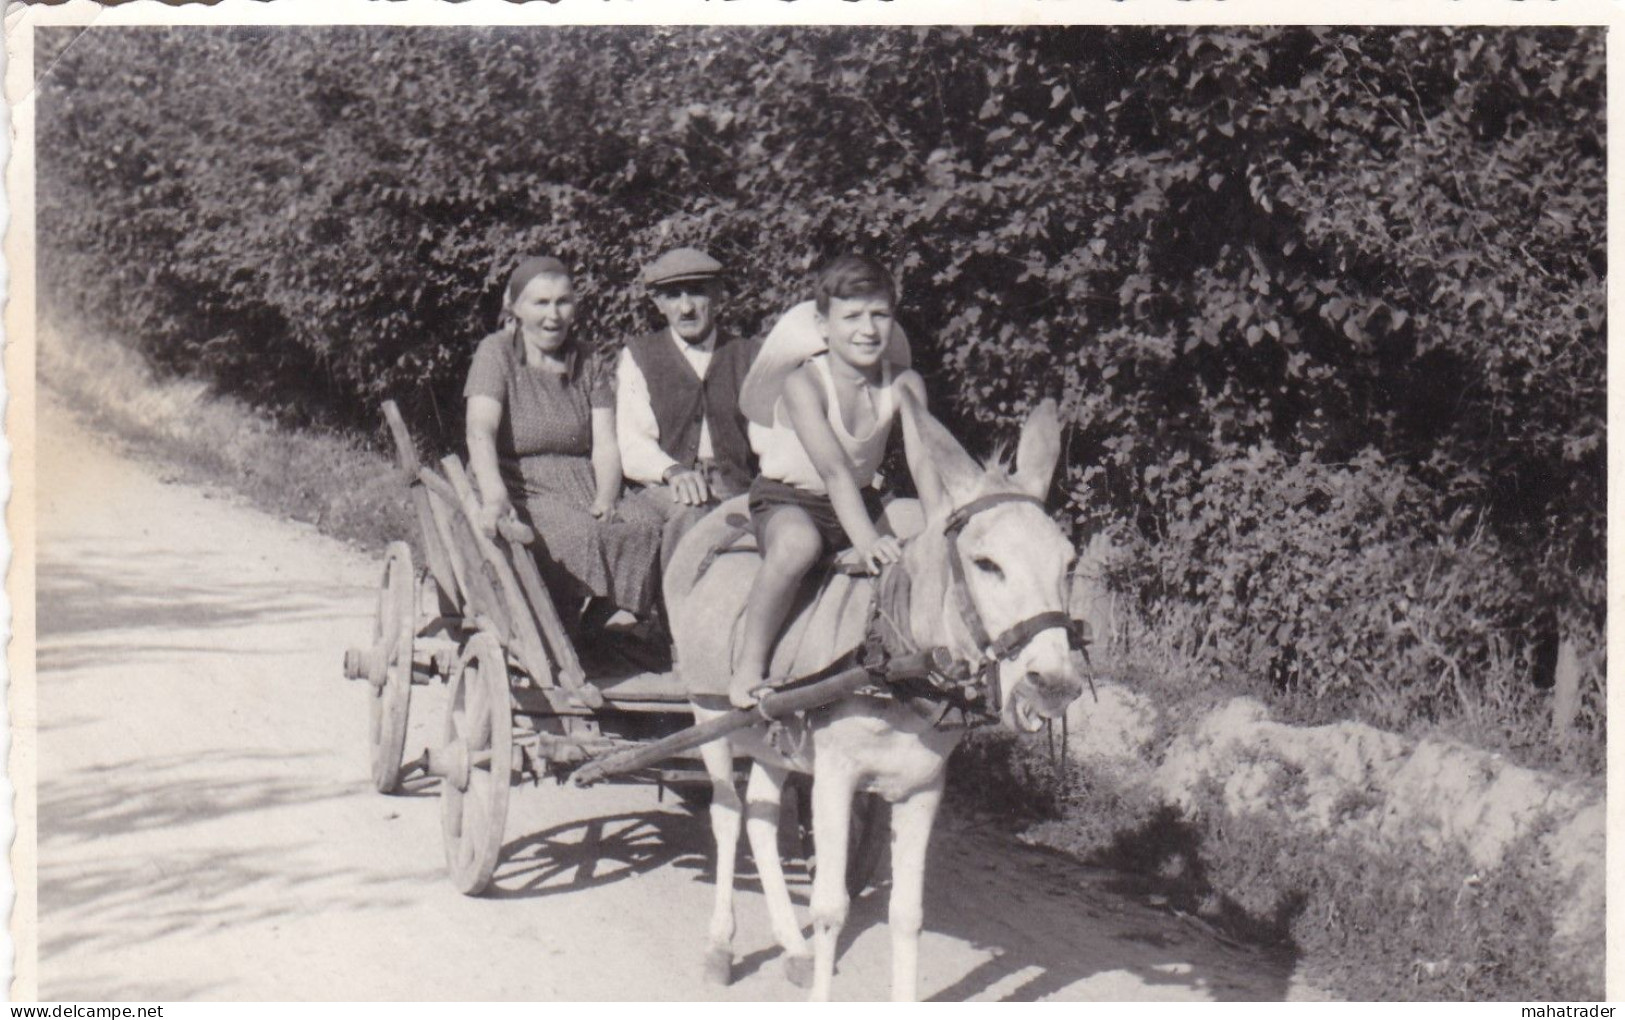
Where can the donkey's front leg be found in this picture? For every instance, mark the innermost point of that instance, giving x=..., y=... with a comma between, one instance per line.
x=832, y=824
x=725, y=825
x=762, y=795
x=911, y=822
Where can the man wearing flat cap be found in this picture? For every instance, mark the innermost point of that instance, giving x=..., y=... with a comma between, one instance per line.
x=677, y=397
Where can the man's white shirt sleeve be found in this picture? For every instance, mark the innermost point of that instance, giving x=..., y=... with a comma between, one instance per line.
x=636, y=431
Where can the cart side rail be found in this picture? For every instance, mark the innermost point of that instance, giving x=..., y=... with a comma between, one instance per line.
x=434, y=541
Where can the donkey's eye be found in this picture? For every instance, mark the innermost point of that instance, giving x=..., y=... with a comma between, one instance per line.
x=987, y=566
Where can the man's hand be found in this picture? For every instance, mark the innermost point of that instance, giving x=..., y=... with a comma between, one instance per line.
x=885, y=549
x=688, y=487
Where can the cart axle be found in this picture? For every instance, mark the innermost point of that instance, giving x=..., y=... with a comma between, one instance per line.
x=453, y=762
x=369, y=664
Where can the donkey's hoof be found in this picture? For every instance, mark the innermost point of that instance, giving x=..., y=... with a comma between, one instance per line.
x=719, y=967
x=798, y=970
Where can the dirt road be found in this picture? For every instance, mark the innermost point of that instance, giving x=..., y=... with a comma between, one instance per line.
x=207, y=831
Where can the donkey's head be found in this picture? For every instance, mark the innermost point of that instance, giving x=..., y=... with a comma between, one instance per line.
x=1004, y=563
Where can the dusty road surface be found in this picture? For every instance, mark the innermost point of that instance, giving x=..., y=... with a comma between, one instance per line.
x=207, y=831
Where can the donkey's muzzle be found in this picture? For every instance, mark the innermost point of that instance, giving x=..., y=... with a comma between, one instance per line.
x=1042, y=696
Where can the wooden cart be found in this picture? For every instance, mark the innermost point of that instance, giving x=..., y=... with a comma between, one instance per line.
x=524, y=703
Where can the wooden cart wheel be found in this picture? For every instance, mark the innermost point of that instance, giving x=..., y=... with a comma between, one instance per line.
x=393, y=629
x=479, y=753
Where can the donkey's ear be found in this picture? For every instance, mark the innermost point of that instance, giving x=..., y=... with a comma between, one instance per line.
x=943, y=472
x=1039, y=449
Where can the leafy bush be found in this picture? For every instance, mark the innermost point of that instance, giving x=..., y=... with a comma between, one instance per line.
x=1312, y=242
x=1351, y=584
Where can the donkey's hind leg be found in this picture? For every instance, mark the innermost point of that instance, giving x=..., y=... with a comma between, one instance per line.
x=762, y=797
x=725, y=818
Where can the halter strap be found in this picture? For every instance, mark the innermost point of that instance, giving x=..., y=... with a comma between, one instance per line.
x=886, y=635
x=1013, y=640
x=960, y=517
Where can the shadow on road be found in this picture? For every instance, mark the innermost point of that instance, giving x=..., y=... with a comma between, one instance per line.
x=1046, y=922
x=143, y=794
x=1049, y=922
x=144, y=602
x=135, y=853
x=598, y=851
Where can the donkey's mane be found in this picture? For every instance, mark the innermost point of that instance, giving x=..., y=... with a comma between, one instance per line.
x=998, y=471
x=1001, y=460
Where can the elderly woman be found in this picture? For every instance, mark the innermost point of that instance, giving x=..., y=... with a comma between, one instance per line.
x=541, y=431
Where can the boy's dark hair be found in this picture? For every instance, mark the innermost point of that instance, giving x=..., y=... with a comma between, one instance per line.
x=851, y=276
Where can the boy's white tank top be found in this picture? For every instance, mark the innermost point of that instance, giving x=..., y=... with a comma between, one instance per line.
x=784, y=459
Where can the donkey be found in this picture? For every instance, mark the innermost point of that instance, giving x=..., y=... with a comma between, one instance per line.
x=987, y=561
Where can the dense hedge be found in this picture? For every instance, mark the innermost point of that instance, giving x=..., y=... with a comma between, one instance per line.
x=1325, y=307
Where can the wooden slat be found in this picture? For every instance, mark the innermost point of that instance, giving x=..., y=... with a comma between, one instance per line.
x=477, y=592
x=406, y=452
x=526, y=639
x=1566, y=695
x=570, y=671
x=441, y=512
x=485, y=608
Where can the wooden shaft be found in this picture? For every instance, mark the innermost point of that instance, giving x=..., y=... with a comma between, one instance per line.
x=773, y=706
x=406, y=453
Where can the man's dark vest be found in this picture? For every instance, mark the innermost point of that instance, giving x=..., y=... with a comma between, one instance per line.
x=680, y=400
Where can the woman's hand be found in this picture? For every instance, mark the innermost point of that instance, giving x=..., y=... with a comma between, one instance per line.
x=603, y=507
x=883, y=550
x=491, y=511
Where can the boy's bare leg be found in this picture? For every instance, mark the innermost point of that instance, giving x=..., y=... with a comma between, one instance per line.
x=791, y=545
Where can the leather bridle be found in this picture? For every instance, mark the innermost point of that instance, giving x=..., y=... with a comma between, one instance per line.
x=1007, y=645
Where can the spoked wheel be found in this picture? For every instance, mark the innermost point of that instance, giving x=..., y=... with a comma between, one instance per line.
x=476, y=765
x=389, y=666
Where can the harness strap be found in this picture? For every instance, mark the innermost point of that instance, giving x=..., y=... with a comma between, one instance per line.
x=1013, y=640
x=1016, y=638
x=960, y=517
x=962, y=600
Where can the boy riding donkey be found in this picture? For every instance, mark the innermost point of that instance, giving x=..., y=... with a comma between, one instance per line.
x=830, y=422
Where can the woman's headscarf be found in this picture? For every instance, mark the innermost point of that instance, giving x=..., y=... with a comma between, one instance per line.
x=528, y=269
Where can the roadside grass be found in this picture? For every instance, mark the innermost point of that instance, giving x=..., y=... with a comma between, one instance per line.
x=1398, y=923
x=331, y=481
x=1394, y=924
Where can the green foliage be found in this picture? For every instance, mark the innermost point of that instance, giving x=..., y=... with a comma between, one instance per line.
x=1354, y=584
x=1369, y=258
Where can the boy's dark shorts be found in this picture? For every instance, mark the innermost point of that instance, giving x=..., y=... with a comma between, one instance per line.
x=766, y=494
